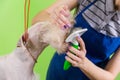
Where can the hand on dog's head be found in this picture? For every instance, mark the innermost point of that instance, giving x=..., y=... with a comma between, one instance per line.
x=54, y=36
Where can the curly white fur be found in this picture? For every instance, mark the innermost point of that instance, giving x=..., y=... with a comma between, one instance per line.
x=19, y=64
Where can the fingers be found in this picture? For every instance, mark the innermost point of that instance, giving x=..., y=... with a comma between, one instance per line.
x=76, y=56
x=79, y=53
x=61, y=16
x=73, y=59
x=72, y=56
x=60, y=22
x=64, y=19
x=82, y=45
x=74, y=63
x=65, y=11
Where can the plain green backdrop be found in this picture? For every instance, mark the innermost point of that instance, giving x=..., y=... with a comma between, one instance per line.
x=12, y=27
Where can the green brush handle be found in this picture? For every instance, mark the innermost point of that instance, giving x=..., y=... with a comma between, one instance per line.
x=67, y=64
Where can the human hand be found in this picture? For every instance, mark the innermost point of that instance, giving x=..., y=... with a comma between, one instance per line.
x=78, y=57
x=62, y=17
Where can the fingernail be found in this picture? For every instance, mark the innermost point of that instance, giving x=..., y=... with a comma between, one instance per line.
x=65, y=57
x=65, y=26
x=79, y=37
x=68, y=25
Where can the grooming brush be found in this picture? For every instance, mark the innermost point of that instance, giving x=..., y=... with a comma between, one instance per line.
x=72, y=39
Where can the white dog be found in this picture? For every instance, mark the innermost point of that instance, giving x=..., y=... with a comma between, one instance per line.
x=19, y=64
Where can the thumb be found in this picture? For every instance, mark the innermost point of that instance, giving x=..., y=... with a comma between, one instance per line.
x=82, y=44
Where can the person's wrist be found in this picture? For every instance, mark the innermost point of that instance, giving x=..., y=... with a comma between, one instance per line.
x=83, y=63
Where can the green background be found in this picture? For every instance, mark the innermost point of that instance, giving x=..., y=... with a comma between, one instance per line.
x=12, y=27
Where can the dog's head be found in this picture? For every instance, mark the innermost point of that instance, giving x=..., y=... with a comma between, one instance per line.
x=54, y=36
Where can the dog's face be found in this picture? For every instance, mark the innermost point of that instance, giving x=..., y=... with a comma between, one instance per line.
x=50, y=33
x=54, y=35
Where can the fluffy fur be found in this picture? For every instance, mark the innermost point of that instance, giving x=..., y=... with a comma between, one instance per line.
x=19, y=64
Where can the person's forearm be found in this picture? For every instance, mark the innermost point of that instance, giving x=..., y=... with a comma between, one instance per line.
x=46, y=13
x=94, y=72
x=70, y=3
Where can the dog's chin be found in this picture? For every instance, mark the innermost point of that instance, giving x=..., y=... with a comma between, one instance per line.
x=54, y=36
x=62, y=49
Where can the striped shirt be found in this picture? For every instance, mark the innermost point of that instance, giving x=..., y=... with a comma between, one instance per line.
x=102, y=16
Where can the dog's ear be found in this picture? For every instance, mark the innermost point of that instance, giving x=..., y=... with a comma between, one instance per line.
x=44, y=29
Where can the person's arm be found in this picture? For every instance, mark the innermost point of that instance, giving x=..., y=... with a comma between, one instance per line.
x=59, y=12
x=69, y=3
x=92, y=71
x=117, y=4
x=96, y=73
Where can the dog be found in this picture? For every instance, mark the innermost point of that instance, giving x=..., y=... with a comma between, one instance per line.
x=19, y=64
